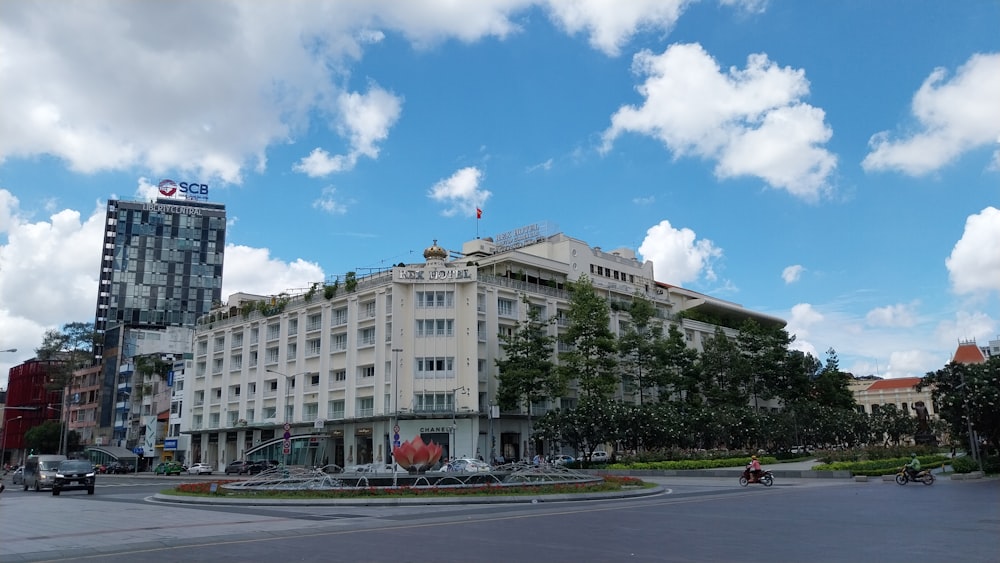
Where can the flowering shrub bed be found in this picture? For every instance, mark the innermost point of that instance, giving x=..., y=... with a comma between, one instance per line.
x=881, y=466
x=204, y=488
x=611, y=483
x=692, y=463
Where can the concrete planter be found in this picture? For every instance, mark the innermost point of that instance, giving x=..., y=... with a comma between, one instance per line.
x=860, y=478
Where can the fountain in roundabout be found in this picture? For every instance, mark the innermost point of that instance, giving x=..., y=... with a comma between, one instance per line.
x=417, y=459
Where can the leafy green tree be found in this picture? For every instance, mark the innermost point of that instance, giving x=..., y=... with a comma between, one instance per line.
x=593, y=422
x=72, y=348
x=47, y=436
x=831, y=387
x=526, y=371
x=719, y=365
x=591, y=359
x=968, y=394
x=764, y=352
x=681, y=377
x=638, y=348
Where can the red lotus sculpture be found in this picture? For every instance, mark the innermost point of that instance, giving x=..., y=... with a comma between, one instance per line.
x=415, y=456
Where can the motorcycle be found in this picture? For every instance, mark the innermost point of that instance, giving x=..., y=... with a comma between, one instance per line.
x=925, y=476
x=765, y=478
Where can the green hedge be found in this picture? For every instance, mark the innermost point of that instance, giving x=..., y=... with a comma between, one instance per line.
x=692, y=464
x=882, y=466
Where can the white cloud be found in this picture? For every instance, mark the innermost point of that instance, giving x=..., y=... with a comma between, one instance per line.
x=328, y=202
x=974, y=263
x=966, y=325
x=320, y=163
x=253, y=270
x=138, y=90
x=676, y=254
x=365, y=120
x=791, y=274
x=610, y=25
x=461, y=193
x=751, y=121
x=955, y=117
x=898, y=315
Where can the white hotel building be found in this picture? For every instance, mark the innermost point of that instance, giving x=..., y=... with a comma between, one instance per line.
x=412, y=348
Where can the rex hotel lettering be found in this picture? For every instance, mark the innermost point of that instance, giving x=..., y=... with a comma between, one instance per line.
x=434, y=275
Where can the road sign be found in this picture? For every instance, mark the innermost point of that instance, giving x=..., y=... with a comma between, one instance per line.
x=395, y=429
x=395, y=444
x=286, y=447
x=287, y=427
x=137, y=450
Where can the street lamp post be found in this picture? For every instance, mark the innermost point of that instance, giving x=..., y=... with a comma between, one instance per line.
x=454, y=421
x=395, y=411
x=3, y=448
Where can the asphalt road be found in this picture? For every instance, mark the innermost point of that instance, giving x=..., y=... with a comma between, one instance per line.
x=695, y=519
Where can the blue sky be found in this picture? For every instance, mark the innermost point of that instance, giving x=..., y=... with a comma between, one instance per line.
x=836, y=164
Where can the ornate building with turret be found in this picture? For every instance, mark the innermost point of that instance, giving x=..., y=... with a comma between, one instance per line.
x=339, y=372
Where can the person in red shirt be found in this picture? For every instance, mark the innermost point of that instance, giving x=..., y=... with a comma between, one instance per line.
x=755, y=469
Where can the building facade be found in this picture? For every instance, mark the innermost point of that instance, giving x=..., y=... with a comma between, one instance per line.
x=161, y=263
x=31, y=401
x=341, y=372
x=161, y=268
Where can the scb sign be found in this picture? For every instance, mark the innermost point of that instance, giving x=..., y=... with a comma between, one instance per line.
x=170, y=188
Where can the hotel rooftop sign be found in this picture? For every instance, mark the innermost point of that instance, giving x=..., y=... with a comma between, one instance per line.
x=520, y=237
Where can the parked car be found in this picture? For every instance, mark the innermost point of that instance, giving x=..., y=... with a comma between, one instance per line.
x=238, y=467
x=562, y=459
x=18, y=477
x=255, y=467
x=168, y=468
x=74, y=474
x=466, y=465
x=200, y=469
x=117, y=468
x=600, y=456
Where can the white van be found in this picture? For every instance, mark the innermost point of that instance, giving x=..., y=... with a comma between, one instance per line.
x=40, y=471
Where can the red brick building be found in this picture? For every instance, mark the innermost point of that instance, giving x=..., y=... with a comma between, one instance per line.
x=29, y=398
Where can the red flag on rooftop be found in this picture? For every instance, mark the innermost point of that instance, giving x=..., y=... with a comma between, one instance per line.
x=479, y=213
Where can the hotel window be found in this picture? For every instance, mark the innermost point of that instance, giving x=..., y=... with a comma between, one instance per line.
x=236, y=362
x=273, y=331
x=254, y=335
x=435, y=402
x=237, y=339
x=217, y=365
x=435, y=327
x=314, y=322
x=366, y=371
x=270, y=412
x=435, y=299
x=505, y=307
x=310, y=411
x=335, y=409
x=366, y=336
x=339, y=375
x=292, y=351
x=340, y=342
x=314, y=380
x=253, y=358
x=435, y=368
x=272, y=355
x=339, y=317
x=220, y=343
x=293, y=327
x=312, y=347
x=366, y=406
x=369, y=310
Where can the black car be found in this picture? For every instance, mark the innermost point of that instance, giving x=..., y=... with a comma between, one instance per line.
x=255, y=467
x=238, y=467
x=74, y=474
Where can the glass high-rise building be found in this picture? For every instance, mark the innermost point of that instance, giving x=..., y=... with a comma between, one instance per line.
x=161, y=264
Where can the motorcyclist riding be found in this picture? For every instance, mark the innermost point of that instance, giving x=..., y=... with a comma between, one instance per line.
x=755, y=470
x=913, y=467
